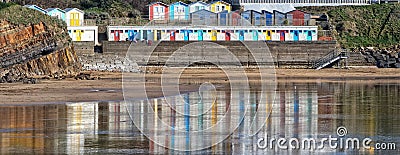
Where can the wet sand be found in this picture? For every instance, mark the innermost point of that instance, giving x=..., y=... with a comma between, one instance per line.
x=109, y=87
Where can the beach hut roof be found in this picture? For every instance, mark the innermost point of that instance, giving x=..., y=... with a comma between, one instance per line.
x=219, y=1
x=203, y=10
x=157, y=3
x=297, y=10
x=70, y=9
x=179, y=2
x=200, y=2
x=51, y=9
x=35, y=6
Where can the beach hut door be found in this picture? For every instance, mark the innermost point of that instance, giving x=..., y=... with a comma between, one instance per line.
x=186, y=32
x=172, y=36
x=158, y=34
x=200, y=35
x=131, y=35
x=227, y=36
x=116, y=35
x=241, y=35
x=309, y=36
x=255, y=35
x=296, y=35
x=282, y=38
x=214, y=35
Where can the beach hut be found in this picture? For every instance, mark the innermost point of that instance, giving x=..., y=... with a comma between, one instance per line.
x=310, y=35
x=279, y=18
x=35, y=7
x=204, y=17
x=219, y=6
x=296, y=17
x=56, y=12
x=84, y=33
x=158, y=11
x=223, y=18
x=199, y=5
x=268, y=18
x=253, y=17
x=74, y=17
x=178, y=11
x=235, y=18
x=246, y=16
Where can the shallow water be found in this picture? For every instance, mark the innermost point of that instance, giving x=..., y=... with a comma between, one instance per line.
x=300, y=110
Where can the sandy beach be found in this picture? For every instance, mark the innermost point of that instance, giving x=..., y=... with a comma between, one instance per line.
x=109, y=86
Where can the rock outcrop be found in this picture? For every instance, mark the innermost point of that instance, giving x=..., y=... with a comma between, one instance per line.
x=33, y=44
x=383, y=58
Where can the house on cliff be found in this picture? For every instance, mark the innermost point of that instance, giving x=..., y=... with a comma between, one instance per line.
x=56, y=12
x=35, y=7
x=178, y=11
x=158, y=11
x=219, y=6
x=204, y=17
x=298, y=18
x=199, y=5
x=74, y=17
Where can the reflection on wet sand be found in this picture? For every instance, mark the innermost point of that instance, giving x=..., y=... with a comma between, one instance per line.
x=303, y=110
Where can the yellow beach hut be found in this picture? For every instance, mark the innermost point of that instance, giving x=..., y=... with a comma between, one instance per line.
x=219, y=6
x=74, y=17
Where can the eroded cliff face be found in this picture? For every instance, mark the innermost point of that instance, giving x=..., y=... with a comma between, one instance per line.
x=34, y=49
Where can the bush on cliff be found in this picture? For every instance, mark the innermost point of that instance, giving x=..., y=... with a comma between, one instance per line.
x=5, y=5
x=360, y=26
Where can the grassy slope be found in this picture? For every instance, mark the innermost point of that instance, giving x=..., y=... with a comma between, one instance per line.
x=360, y=26
x=19, y=15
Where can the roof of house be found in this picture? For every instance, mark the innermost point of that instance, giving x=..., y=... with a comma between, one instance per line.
x=219, y=1
x=180, y=3
x=203, y=10
x=200, y=2
x=253, y=11
x=51, y=9
x=157, y=3
x=70, y=9
x=297, y=10
x=35, y=6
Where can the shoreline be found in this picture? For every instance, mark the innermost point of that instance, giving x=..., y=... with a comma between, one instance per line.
x=109, y=86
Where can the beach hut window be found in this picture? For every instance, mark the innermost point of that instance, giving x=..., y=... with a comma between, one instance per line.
x=180, y=9
x=112, y=31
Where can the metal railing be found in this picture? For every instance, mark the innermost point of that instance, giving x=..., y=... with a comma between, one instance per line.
x=329, y=58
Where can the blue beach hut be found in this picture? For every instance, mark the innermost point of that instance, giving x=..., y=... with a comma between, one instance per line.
x=35, y=7
x=269, y=18
x=223, y=18
x=179, y=11
x=56, y=12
